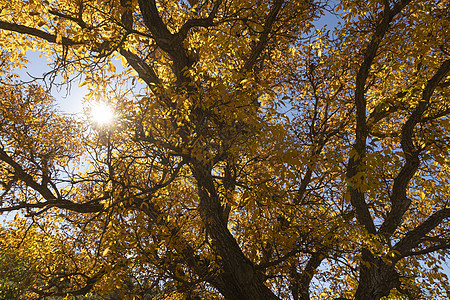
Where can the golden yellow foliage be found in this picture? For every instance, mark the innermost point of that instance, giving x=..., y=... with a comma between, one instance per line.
x=253, y=153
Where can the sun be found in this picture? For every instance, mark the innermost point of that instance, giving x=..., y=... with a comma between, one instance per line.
x=102, y=113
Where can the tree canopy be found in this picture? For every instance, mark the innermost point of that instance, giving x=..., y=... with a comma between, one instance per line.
x=253, y=154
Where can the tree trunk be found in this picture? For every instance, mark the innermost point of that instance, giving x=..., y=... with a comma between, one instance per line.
x=239, y=279
x=376, y=278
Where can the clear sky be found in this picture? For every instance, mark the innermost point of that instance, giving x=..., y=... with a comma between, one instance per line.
x=69, y=100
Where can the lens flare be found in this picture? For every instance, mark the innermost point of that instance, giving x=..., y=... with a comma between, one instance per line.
x=102, y=113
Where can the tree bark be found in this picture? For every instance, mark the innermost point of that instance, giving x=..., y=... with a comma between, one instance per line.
x=240, y=279
x=376, y=278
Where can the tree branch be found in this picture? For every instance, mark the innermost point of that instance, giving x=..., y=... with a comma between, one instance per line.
x=428, y=250
x=384, y=109
x=203, y=22
x=400, y=202
x=25, y=177
x=77, y=19
x=170, y=43
x=355, y=165
x=264, y=36
x=52, y=38
x=412, y=238
x=89, y=284
x=144, y=71
x=51, y=199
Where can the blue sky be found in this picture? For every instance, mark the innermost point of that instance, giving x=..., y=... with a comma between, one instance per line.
x=69, y=101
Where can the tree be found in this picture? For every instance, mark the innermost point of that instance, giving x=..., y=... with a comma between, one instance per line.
x=15, y=275
x=251, y=157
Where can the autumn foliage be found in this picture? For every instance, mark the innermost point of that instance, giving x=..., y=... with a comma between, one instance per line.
x=253, y=154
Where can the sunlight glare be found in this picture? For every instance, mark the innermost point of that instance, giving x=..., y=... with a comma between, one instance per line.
x=102, y=113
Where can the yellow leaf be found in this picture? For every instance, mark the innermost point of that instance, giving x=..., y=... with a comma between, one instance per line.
x=124, y=62
x=112, y=67
x=58, y=38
